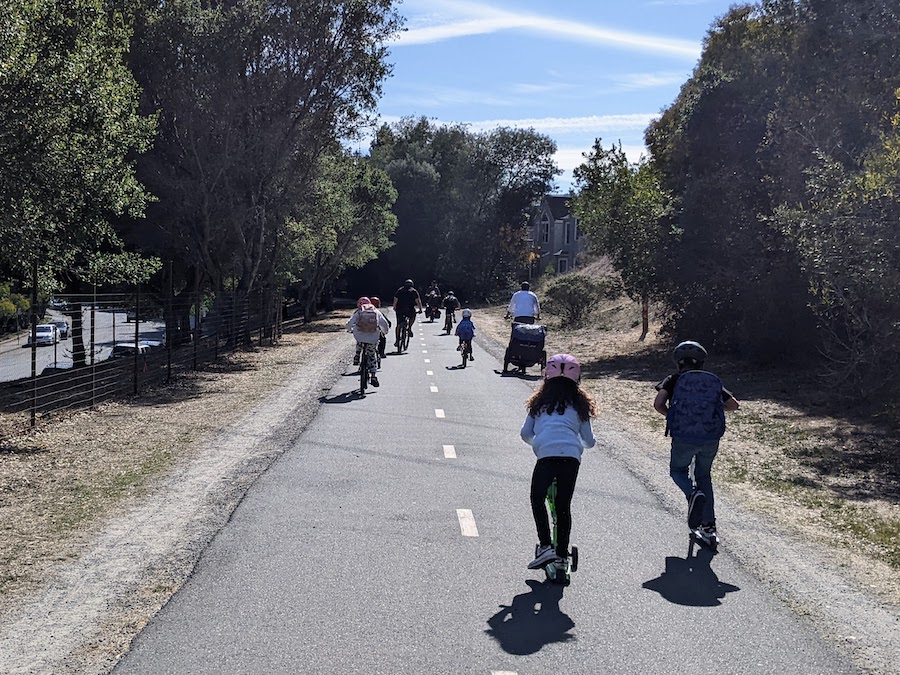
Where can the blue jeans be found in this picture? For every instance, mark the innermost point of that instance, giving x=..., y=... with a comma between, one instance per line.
x=703, y=455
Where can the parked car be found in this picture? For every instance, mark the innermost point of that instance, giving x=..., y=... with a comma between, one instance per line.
x=45, y=334
x=56, y=303
x=127, y=349
x=63, y=327
x=131, y=315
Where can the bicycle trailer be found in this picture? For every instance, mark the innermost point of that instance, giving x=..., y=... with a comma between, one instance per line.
x=526, y=347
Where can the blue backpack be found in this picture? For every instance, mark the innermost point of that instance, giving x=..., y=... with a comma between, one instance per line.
x=696, y=411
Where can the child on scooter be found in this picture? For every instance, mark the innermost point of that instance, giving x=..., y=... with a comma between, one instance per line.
x=558, y=428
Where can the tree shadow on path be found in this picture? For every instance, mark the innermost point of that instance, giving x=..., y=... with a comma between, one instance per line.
x=532, y=620
x=691, y=582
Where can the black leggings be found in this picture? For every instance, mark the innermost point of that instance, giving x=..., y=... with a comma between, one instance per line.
x=565, y=471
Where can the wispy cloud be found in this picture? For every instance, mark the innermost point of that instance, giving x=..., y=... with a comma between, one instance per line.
x=636, y=81
x=461, y=19
x=559, y=126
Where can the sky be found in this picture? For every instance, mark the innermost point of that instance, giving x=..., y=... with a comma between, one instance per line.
x=574, y=70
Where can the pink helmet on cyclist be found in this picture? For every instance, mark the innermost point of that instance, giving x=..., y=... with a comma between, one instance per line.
x=376, y=301
x=364, y=300
x=563, y=365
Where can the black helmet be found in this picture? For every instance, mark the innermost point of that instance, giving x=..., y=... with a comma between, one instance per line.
x=525, y=286
x=689, y=353
x=408, y=283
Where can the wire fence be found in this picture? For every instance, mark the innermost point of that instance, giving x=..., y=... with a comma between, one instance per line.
x=88, y=348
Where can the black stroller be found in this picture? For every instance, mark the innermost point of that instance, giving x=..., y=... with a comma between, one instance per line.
x=526, y=347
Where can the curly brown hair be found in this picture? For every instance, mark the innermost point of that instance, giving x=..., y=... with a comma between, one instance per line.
x=557, y=394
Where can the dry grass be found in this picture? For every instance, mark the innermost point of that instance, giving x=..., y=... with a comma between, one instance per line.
x=60, y=480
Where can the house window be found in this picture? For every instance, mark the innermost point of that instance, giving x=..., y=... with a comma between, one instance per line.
x=562, y=265
x=568, y=233
x=545, y=229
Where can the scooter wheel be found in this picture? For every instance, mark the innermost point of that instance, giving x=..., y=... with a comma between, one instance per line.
x=574, y=558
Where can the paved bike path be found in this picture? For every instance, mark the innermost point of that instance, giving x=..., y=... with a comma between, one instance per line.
x=349, y=555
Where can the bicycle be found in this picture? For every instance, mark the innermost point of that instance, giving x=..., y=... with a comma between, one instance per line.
x=559, y=573
x=363, y=371
x=466, y=351
x=449, y=320
x=402, y=334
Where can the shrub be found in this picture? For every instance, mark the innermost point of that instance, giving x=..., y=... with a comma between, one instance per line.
x=575, y=296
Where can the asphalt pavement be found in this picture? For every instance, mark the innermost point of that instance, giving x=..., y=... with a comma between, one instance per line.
x=393, y=538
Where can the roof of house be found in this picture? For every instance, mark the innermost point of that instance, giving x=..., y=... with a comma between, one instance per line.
x=559, y=205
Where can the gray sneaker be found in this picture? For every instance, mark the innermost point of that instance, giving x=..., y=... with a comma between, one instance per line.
x=543, y=556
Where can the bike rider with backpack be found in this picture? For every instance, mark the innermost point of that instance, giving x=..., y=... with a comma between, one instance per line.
x=367, y=324
x=694, y=403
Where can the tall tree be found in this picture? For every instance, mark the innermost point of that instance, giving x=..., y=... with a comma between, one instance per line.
x=249, y=94
x=625, y=212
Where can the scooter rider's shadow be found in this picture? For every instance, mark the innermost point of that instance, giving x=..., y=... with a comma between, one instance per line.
x=531, y=620
x=690, y=582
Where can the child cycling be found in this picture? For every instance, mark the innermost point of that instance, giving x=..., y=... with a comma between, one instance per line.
x=694, y=403
x=450, y=304
x=465, y=331
x=382, y=337
x=558, y=428
x=367, y=324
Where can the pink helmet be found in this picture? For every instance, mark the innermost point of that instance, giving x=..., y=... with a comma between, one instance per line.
x=364, y=300
x=563, y=365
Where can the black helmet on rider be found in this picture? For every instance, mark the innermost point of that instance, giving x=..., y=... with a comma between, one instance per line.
x=689, y=354
x=408, y=283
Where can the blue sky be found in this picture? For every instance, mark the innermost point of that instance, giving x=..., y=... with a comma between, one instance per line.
x=574, y=70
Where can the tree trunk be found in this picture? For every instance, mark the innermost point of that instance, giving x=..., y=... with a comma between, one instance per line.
x=645, y=317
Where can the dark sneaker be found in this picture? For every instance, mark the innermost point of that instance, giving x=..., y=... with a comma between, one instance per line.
x=411, y=333
x=543, y=556
x=471, y=356
x=459, y=349
x=696, y=502
x=708, y=533
x=374, y=381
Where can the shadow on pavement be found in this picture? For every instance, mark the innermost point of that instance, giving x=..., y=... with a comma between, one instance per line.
x=690, y=582
x=346, y=397
x=518, y=374
x=532, y=620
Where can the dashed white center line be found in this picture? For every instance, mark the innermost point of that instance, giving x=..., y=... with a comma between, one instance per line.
x=504, y=672
x=429, y=372
x=427, y=360
x=439, y=412
x=467, y=523
x=449, y=452
x=434, y=389
x=424, y=351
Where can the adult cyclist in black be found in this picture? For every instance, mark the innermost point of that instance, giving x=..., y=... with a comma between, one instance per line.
x=407, y=304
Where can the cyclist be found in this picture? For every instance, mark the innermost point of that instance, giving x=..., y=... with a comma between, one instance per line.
x=432, y=301
x=407, y=304
x=450, y=304
x=558, y=429
x=524, y=306
x=366, y=324
x=382, y=337
x=465, y=331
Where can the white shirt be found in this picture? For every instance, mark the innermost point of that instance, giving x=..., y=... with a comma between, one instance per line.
x=524, y=303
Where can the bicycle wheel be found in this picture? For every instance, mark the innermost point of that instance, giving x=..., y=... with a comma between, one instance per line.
x=399, y=332
x=405, y=338
x=466, y=351
x=448, y=323
x=363, y=371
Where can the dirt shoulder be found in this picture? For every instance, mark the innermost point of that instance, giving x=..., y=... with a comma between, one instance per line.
x=807, y=502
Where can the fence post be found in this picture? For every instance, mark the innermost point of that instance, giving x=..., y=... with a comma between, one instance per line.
x=34, y=319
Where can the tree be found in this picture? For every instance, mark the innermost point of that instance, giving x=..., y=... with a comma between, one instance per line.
x=346, y=223
x=625, y=212
x=249, y=95
x=69, y=125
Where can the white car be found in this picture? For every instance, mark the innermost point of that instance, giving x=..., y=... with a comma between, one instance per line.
x=45, y=334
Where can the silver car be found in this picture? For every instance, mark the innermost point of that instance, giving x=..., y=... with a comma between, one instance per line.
x=45, y=334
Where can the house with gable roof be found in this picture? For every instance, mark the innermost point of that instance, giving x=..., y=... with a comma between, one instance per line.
x=554, y=237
